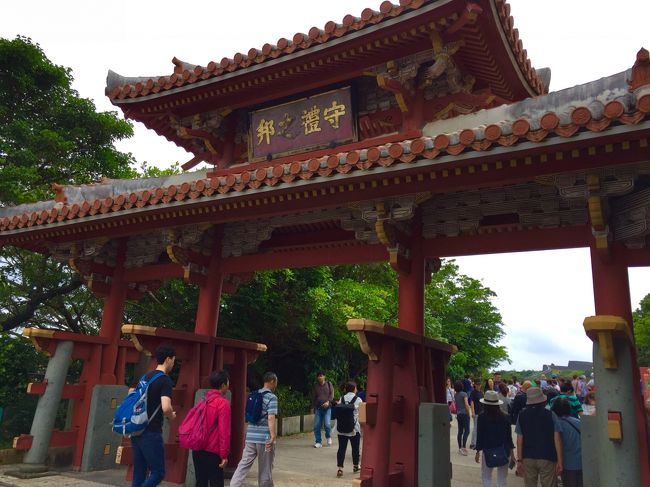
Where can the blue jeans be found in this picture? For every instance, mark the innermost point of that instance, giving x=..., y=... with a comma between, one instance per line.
x=148, y=454
x=322, y=416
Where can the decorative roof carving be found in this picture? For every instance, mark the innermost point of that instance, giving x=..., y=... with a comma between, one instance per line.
x=592, y=107
x=120, y=88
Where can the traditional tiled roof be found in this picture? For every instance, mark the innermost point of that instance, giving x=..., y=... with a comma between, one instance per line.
x=592, y=107
x=120, y=88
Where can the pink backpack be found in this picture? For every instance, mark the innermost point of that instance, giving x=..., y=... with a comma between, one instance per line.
x=193, y=432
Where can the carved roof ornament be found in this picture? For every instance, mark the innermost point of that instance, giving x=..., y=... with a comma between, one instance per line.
x=480, y=211
x=243, y=238
x=616, y=181
x=631, y=219
x=640, y=70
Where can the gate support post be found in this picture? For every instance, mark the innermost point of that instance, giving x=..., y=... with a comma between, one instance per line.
x=48, y=404
x=623, y=452
x=402, y=368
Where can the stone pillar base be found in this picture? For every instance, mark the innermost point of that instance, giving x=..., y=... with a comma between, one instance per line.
x=101, y=443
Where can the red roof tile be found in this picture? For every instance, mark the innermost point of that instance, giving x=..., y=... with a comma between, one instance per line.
x=595, y=116
x=186, y=74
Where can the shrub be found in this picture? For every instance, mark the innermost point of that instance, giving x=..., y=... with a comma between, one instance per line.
x=290, y=402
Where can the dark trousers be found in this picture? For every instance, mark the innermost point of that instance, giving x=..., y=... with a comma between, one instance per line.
x=463, y=429
x=572, y=478
x=206, y=469
x=343, y=446
x=148, y=455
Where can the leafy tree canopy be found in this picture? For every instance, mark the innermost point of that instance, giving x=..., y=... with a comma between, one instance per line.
x=48, y=134
x=300, y=315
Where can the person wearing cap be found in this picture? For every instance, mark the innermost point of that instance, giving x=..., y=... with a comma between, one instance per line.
x=493, y=432
x=539, y=444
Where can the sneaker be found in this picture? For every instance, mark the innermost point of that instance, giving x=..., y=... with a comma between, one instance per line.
x=329, y=442
x=463, y=451
x=318, y=445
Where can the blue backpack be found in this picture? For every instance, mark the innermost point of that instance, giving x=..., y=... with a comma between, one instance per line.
x=131, y=416
x=254, y=410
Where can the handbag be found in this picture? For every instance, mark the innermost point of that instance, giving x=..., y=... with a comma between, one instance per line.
x=495, y=457
x=452, y=407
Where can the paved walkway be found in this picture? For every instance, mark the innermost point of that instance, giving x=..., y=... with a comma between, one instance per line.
x=297, y=464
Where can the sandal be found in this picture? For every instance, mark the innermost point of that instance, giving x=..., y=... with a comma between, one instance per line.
x=355, y=469
x=339, y=473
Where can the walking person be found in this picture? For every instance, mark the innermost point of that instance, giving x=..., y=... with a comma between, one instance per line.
x=589, y=406
x=571, y=443
x=462, y=416
x=539, y=444
x=148, y=448
x=450, y=392
x=354, y=437
x=477, y=408
x=519, y=401
x=322, y=397
x=260, y=438
x=504, y=396
x=574, y=402
x=494, y=439
x=210, y=462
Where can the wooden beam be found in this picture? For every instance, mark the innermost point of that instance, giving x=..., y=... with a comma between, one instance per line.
x=513, y=241
x=334, y=235
x=637, y=257
x=153, y=273
x=70, y=391
x=358, y=254
x=58, y=439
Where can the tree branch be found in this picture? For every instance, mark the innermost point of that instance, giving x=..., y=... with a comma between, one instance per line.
x=29, y=308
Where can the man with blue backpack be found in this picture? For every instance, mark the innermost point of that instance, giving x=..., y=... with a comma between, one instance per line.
x=261, y=415
x=148, y=447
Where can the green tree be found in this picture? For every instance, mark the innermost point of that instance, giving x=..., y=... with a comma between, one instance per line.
x=300, y=315
x=460, y=311
x=20, y=364
x=641, y=318
x=48, y=134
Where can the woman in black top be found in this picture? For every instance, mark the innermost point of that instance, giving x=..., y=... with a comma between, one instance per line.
x=477, y=408
x=494, y=432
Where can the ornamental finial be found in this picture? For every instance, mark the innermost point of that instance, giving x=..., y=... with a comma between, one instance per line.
x=640, y=70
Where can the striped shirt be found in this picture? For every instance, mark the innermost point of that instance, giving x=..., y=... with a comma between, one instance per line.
x=574, y=402
x=260, y=433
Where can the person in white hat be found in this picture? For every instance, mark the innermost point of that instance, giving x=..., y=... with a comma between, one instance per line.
x=494, y=439
x=539, y=444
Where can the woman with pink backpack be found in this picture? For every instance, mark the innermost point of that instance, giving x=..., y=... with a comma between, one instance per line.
x=206, y=431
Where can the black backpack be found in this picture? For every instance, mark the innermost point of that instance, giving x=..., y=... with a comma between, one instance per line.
x=343, y=413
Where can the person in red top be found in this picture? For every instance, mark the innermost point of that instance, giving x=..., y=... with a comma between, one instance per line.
x=209, y=463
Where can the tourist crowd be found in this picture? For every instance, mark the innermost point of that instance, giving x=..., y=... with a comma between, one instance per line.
x=545, y=414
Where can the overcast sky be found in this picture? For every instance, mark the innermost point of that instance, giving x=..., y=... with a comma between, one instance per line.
x=543, y=296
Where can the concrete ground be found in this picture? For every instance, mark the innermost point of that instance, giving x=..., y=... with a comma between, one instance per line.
x=297, y=463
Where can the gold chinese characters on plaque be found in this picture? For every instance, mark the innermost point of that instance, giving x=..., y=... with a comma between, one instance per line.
x=302, y=125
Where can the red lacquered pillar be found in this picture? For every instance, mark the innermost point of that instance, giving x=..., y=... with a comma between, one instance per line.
x=411, y=285
x=376, y=461
x=238, y=375
x=207, y=313
x=113, y=316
